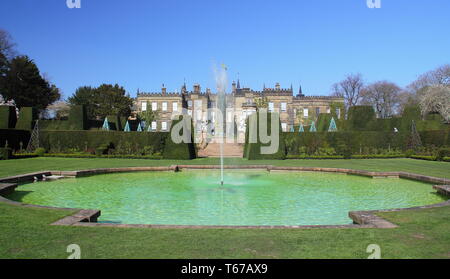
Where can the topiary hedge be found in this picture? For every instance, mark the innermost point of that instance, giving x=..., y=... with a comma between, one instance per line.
x=181, y=151
x=323, y=122
x=8, y=117
x=115, y=123
x=77, y=118
x=359, y=117
x=26, y=118
x=364, y=142
x=253, y=150
x=132, y=143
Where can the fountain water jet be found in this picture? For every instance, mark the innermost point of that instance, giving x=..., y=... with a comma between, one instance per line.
x=221, y=84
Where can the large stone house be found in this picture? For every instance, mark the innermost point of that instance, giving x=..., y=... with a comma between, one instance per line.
x=293, y=109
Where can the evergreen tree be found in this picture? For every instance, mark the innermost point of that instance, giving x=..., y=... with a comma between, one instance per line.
x=23, y=83
x=105, y=100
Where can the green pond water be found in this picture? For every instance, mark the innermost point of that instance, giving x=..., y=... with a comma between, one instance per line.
x=247, y=197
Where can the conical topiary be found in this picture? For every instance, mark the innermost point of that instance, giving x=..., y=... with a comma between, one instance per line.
x=333, y=127
x=105, y=124
x=313, y=127
x=127, y=127
x=301, y=129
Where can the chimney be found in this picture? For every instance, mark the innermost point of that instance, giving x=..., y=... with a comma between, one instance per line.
x=197, y=88
x=233, y=87
x=163, y=89
x=277, y=86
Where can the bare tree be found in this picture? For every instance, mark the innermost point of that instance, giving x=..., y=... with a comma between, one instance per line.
x=383, y=96
x=57, y=110
x=7, y=46
x=406, y=99
x=436, y=98
x=438, y=76
x=349, y=89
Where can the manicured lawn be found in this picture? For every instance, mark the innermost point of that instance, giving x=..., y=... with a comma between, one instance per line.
x=13, y=167
x=26, y=233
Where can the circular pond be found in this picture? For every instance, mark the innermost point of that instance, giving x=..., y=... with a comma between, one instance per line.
x=251, y=198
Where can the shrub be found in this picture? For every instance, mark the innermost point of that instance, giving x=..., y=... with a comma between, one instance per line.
x=315, y=157
x=180, y=151
x=14, y=138
x=409, y=153
x=421, y=157
x=102, y=149
x=443, y=152
x=84, y=155
x=5, y=153
x=148, y=150
x=40, y=151
x=378, y=156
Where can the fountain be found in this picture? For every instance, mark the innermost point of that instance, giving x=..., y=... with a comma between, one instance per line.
x=221, y=84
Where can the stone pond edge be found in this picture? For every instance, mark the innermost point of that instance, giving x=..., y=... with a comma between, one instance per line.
x=88, y=217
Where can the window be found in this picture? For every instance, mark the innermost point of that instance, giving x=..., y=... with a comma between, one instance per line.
x=305, y=113
x=190, y=112
x=144, y=106
x=154, y=106
x=154, y=125
x=164, y=106
x=198, y=115
x=174, y=106
x=284, y=127
x=328, y=110
x=198, y=104
x=283, y=106
x=270, y=106
x=338, y=113
x=164, y=126
x=229, y=116
x=317, y=111
x=189, y=103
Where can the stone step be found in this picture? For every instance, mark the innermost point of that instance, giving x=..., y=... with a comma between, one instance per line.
x=229, y=150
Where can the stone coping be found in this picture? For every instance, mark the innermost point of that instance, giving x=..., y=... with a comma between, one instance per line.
x=88, y=217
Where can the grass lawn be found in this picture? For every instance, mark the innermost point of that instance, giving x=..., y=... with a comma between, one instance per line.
x=25, y=233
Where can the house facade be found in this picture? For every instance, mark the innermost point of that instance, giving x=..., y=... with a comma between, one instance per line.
x=242, y=102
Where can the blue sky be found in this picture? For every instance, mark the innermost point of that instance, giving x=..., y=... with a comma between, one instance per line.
x=144, y=43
